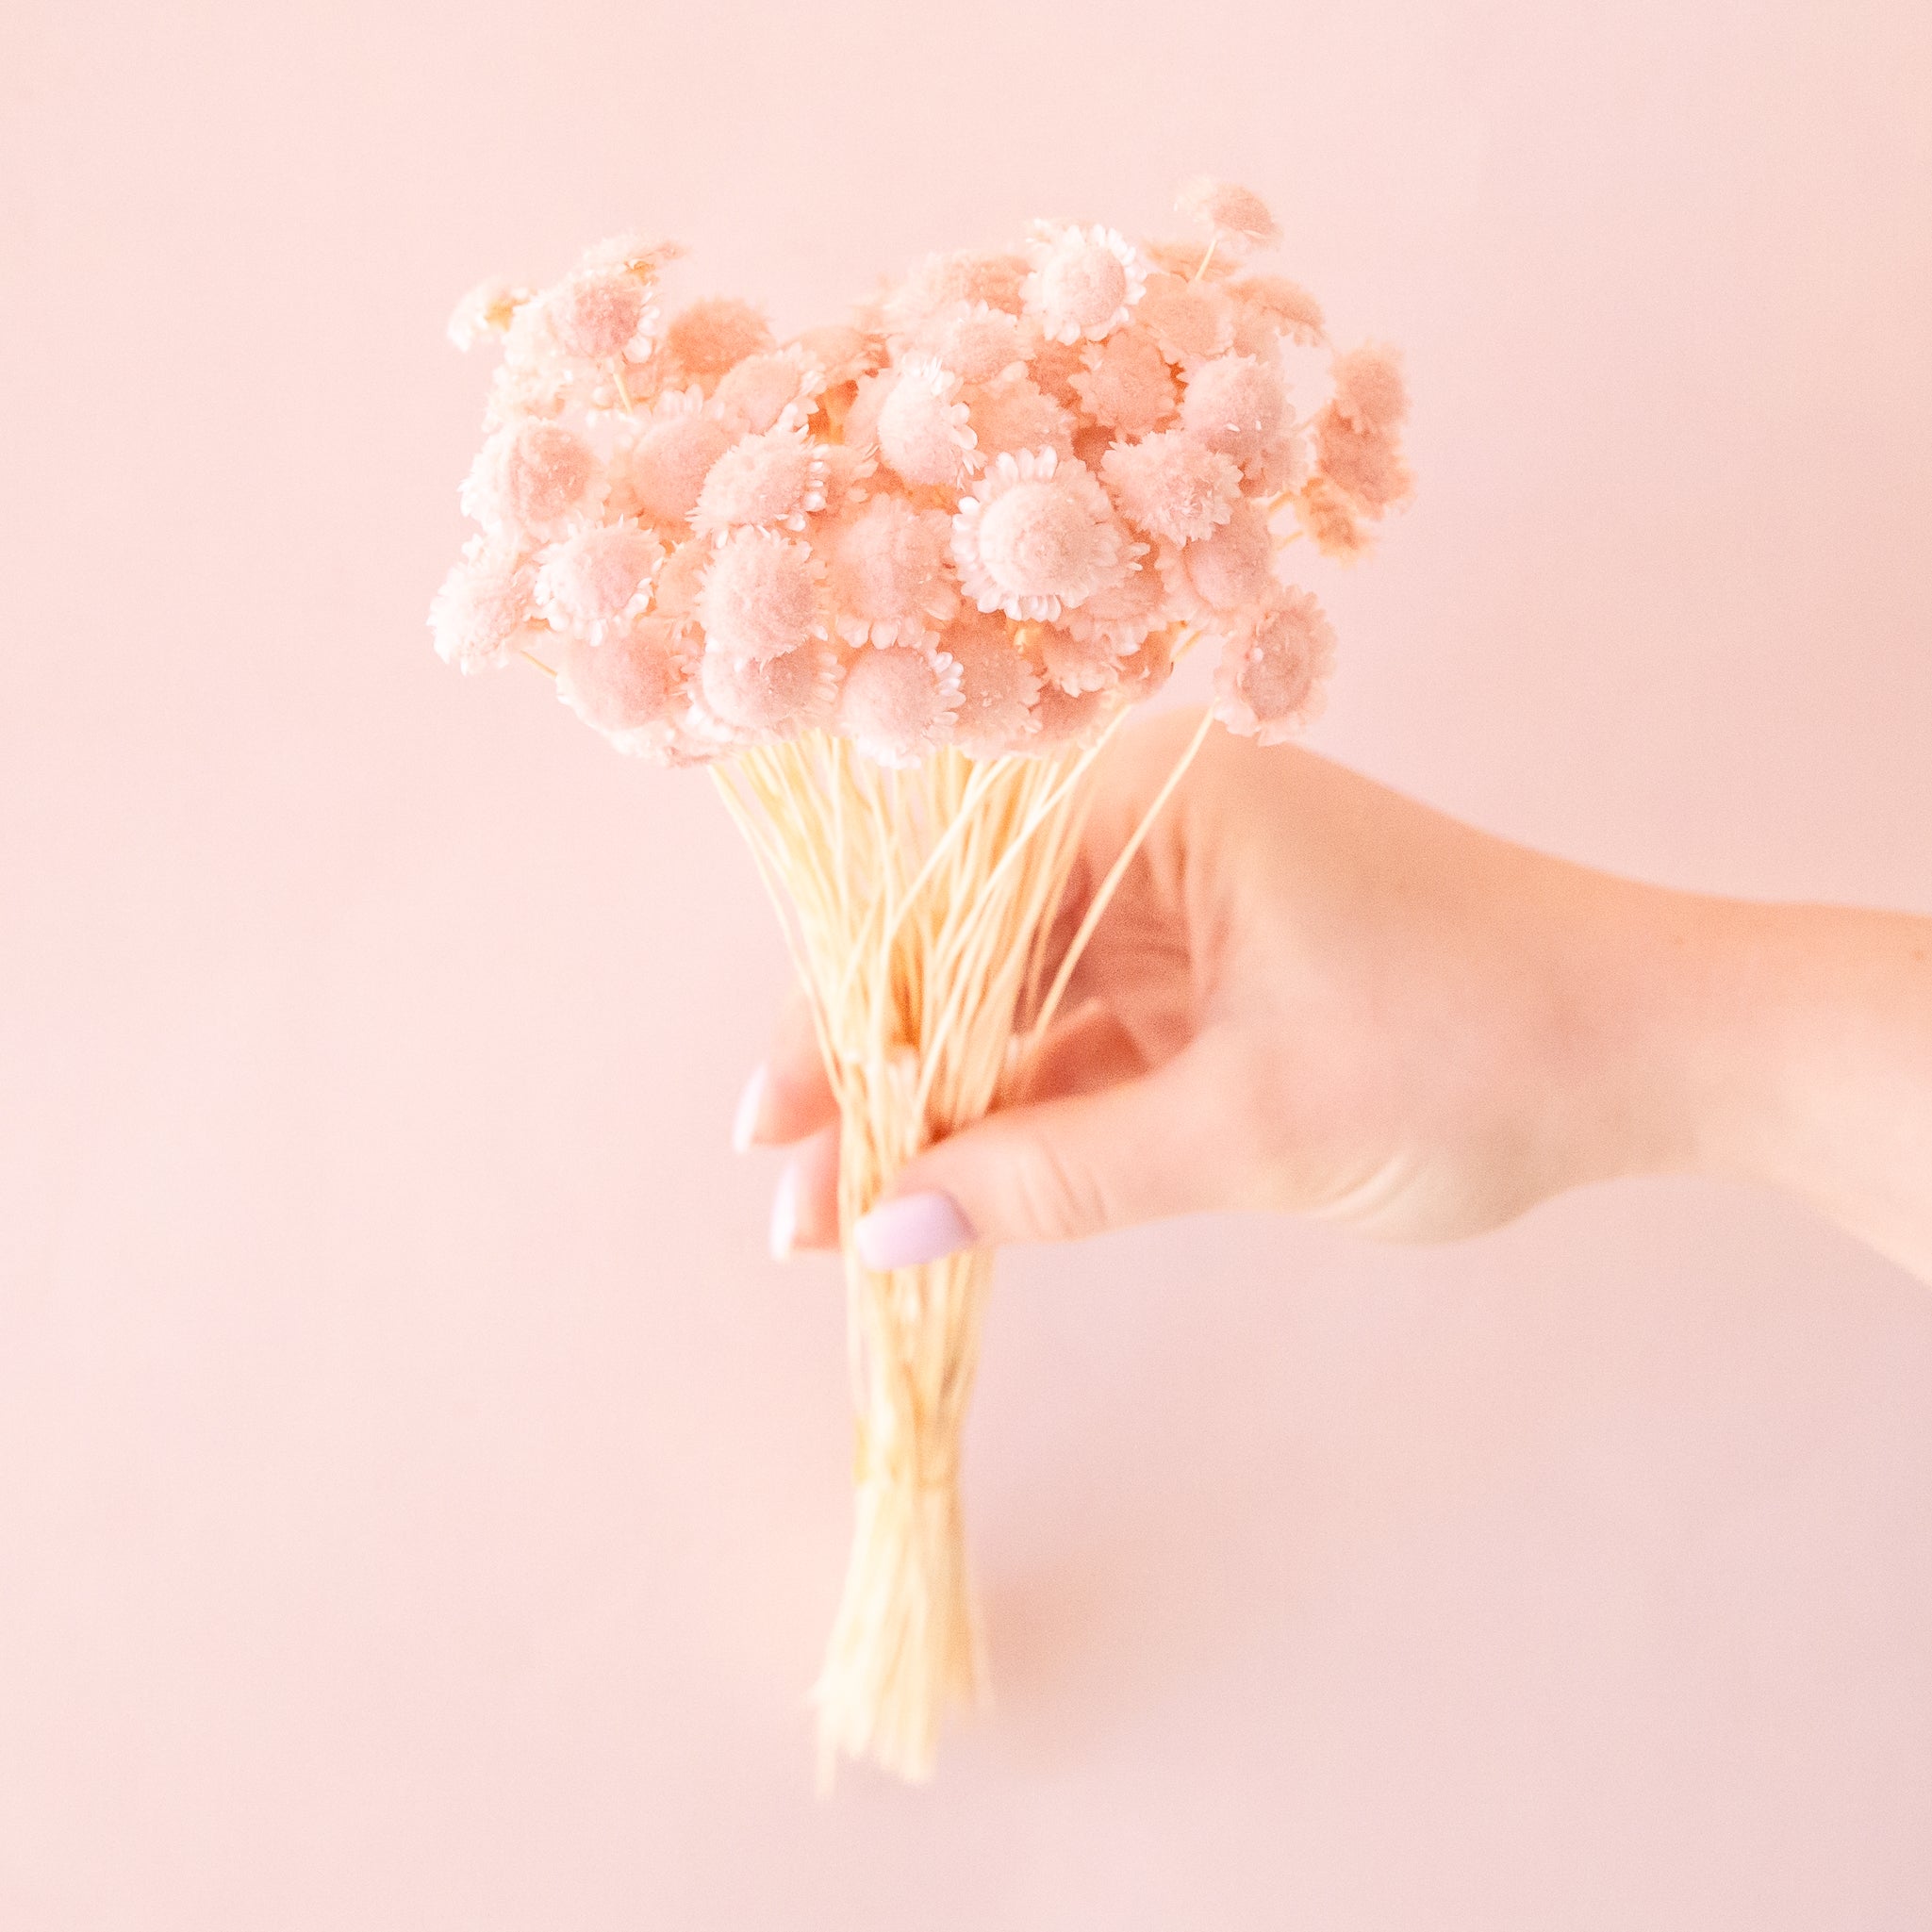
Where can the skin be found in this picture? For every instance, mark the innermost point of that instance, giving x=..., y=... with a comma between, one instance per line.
x=1314, y=996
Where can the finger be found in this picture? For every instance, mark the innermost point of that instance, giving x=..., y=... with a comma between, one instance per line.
x=804, y=1209
x=1163, y=1144
x=788, y=1094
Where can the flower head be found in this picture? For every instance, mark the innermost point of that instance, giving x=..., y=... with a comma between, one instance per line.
x=975, y=340
x=848, y=474
x=1331, y=520
x=1294, y=311
x=486, y=310
x=1122, y=617
x=776, y=479
x=533, y=481
x=1038, y=536
x=760, y=597
x=899, y=702
x=923, y=431
x=1014, y=414
x=1366, y=465
x=1236, y=405
x=1237, y=217
x=1370, y=394
x=486, y=609
x=998, y=684
x=1268, y=684
x=643, y=255
x=966, y=276
x=1172, y=485
x=887, y=576
x=635, y=680
x=1067, y=718
x=715, y=333
x=779, y=695
x=1192, y=321
x=1232, y=566
x=681, y=579
x=841, y=352
x=603, y=315
x=671, y=458
x=590, y=585
x=1084, y=281
x=773, y=387
x=1088, y=662
x=1125, y=385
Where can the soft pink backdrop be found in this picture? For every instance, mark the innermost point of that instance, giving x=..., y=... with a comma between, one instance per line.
x=421, y=1502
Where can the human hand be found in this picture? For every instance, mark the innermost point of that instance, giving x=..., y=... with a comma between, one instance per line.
x=1313, y=994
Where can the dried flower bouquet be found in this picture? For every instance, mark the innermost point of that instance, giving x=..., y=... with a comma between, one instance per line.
x=896, y=581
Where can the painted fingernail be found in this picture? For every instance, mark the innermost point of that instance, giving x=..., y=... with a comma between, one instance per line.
x=915, y=1228
x=744, y=1123
x=785, y=1214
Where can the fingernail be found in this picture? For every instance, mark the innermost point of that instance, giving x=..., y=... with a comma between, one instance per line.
x=915, y=1228
x=785, y=1214
x=744, y=1123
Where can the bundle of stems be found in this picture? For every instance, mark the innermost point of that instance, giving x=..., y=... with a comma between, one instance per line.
x=919, y=904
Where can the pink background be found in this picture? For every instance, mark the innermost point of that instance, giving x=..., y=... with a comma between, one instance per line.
x=421, y=1502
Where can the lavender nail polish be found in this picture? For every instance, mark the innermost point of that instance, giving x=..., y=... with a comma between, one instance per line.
x=915, y=1228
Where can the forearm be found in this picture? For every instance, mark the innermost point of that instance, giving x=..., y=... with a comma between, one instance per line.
x=1785, y=1044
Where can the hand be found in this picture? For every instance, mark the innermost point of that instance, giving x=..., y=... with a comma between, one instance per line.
x=1311, y=993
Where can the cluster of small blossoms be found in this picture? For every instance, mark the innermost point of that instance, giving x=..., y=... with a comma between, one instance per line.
x=986, y=512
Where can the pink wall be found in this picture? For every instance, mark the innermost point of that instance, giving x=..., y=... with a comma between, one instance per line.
x=421, y=1504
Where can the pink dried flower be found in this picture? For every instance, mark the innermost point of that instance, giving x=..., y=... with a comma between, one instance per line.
x=1067, y=718
x=603, y=315
x=672, y=458
x=1331, y=520
x=644, y=255
x=1237, y=217
x=1366, y=464
x=1125, y=384
x=1233, y=565
x=1090, y=662
x=486, y=309
x=760, y=597
x=1037, y=537
x=769, y=695
x=715, y=333
x=1014, y=414
x=848, y=471
x=1236, y=405
x=859, y=430
x=533, y=481
x=1268, y=684
x=999, y=686
x=977, y=342
x=681, y=579
x=1193, y=322
x=842, y=353
x=1370, y=394
x=1149, y=669
x=775, y=480
x=1123, y=615
x=634, y=681
x=886, y=577
x=941, y=280
x=1286, y=303
x=1084, y=281
x=899, y=702
x=592, y=584
x=485, y=611
x=923, y=430
x=1172, y=485
x=780, y=385
x=1052, y=366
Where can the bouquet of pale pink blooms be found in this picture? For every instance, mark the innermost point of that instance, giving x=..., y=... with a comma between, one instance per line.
x=896, y=581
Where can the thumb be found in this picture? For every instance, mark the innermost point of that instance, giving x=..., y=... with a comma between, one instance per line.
x=1153, y=1146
